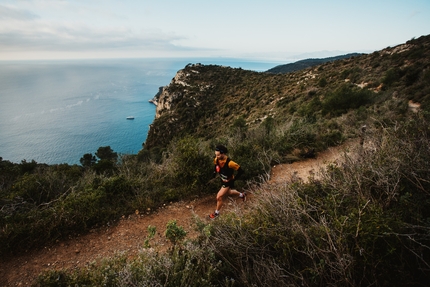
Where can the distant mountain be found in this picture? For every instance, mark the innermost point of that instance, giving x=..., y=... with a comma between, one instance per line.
x=307, y=63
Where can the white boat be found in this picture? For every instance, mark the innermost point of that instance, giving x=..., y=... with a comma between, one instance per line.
x=130, y=118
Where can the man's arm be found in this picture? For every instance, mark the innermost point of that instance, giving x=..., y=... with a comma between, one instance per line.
x=239, y=173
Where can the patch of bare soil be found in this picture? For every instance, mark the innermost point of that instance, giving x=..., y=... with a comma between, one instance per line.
x=128, y=234
x=312, y=167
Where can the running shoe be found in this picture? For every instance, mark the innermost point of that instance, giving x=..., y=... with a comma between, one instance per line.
x=213, y=215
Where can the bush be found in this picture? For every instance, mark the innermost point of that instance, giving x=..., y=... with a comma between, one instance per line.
x=412, y=74
x=187, y=265
x=174, y=233
x=322, y=82
x=311, y=108
x=392, y=76
x=344, y=99
x=190, y=166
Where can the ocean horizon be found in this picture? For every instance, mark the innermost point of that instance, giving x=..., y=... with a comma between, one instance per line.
x=56, y=111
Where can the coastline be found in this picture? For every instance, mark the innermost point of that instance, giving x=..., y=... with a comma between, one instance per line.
x=155, y=99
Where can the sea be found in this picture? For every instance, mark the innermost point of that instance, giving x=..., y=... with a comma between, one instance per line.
x=56, y=111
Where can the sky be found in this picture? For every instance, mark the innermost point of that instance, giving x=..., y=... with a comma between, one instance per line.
x=267, y=30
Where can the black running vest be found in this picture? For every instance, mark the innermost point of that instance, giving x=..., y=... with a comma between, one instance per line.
x=225, y=172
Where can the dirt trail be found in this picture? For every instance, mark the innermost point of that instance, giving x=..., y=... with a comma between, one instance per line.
x=129, y=234
x=302, y=170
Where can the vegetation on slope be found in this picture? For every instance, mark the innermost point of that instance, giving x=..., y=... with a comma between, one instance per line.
x=366, y=223
x=216, y=97
x=307, y=63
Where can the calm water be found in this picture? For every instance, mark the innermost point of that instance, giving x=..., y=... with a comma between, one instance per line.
x=56, y=111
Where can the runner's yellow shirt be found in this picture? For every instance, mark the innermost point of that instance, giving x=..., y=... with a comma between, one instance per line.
x=231, y=163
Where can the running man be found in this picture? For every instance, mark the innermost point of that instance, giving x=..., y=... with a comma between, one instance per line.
x=225, y=167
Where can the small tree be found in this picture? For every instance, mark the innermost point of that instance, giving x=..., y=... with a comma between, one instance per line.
x=106, y=153
x=88, y=160
x=27, y=167
x=107, y=160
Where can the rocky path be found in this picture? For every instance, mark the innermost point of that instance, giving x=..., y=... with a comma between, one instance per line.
x=129, y=234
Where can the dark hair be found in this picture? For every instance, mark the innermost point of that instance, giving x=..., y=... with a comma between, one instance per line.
x=221, y=149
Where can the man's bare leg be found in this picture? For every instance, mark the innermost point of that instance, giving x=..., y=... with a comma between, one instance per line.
x=223, y=192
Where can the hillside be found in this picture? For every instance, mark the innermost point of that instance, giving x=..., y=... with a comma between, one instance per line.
x=307, y=63
x=207, y=100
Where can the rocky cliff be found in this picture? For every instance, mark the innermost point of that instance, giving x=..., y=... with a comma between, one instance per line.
x=165, y=99
x=185, y=104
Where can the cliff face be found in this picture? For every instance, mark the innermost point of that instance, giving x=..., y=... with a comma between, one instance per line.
x=177, y=105
x=164, y=99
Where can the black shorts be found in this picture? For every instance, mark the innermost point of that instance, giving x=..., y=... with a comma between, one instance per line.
x=228, y=184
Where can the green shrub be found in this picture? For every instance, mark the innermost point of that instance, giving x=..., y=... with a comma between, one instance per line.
x=190, y=165
x=27, y=167
x=151, y=233
x=331, y=138
x=35, y=189
x=311, y=108
x=322, y=82
x=301, y=133
x=174, y=233
x=412, y=74
x=344, y=99
x=269, y=125
x=240, y=123
x=104, y=166
x=187, y=265
x=392, y=76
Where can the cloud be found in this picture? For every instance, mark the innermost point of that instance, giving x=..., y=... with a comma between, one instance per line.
x=26, y=33
x=22, y=31
x=10, y=13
